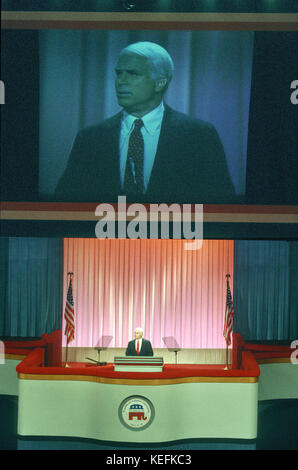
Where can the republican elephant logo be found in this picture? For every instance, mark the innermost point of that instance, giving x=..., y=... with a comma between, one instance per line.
x=136, y=413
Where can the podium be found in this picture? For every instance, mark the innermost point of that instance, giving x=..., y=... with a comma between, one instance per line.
x=138, y=364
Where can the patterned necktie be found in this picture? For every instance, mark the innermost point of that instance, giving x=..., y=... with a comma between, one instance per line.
x=134, y=171
x=138, y=347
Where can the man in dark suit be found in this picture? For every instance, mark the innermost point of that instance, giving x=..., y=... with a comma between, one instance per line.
x=182, y=158
x=139, y=346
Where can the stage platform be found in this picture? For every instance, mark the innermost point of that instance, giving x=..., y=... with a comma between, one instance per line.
x=201, y=405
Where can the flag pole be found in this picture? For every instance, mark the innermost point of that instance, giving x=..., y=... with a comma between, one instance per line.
x=227, y=357
x=66, y=365
x=227, y=346
x=66, y=352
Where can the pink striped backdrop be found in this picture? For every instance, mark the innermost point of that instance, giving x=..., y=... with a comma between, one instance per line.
x=119, y=284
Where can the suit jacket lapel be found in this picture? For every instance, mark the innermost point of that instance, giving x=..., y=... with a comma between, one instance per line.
x=112, y=150
x=162, y=158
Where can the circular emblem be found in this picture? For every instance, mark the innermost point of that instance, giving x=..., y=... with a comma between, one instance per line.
x=136, y=413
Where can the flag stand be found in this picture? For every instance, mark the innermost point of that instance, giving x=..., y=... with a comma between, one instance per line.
x=66, y=364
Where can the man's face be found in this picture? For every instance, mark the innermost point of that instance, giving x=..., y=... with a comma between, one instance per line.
x=136, y=92
x=138, y=334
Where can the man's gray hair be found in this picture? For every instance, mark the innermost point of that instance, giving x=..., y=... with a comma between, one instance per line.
x=160, y=62
x=138, y=328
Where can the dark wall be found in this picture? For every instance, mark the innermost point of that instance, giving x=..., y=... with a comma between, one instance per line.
x=19, y=115
x=272, y=137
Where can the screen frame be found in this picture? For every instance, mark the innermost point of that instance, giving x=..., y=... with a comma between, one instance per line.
x=149, y=20
x=270, y=216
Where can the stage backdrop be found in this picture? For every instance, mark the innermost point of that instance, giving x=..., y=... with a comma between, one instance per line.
x=121, y=284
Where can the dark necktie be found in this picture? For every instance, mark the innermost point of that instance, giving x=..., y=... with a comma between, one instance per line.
x=134, y=171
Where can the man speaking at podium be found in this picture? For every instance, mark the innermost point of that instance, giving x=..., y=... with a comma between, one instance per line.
x=147, y=151
x=139, y=346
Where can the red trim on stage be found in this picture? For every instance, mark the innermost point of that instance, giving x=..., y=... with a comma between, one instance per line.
x=33, y=365
x=25, y=345
x=244, y=363
x=50, y=344
x=17, y=352
x=268, y=348
x=259, y=351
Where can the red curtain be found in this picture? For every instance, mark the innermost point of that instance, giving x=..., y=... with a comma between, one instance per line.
x=120, y=284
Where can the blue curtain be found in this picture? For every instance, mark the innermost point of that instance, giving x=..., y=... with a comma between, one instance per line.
x=265, y=289
x=31, y=286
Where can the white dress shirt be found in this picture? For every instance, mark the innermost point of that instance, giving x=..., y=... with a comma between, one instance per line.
x=150, y=131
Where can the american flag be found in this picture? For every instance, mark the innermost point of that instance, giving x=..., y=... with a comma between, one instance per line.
x=69, y=315
x=228, y=317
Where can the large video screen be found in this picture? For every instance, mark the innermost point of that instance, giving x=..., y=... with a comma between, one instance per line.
x=224, y=132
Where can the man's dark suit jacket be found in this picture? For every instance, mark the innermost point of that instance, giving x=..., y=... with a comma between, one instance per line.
x=189, y=167
x=146, y=349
